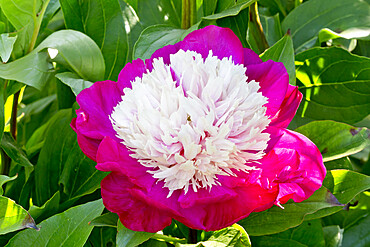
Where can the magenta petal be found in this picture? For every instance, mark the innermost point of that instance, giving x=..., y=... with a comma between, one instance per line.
x=293, y=161
x=135, y=210
x=113, y=156
x=128, y=74
x=92, y=123
x=221, y=41
x=250, y=57
x=288, y=108
x=274, y=81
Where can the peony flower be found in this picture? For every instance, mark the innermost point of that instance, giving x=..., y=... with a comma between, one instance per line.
x=197, y=133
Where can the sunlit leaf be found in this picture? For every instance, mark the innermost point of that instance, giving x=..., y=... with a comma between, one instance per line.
x=4, y=179
x=129, y=238
x=108, y=219
x=13, y=217
x=6, y=46
x=74, y=82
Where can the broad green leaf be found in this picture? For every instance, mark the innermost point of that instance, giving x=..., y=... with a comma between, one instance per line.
x=334, y=84
x=306, y=21
x=283, y=52
x=69, y=228
x=79, y=175
x=74, y=82
x=48, y=209
x=106, y=23
x=233, y=11
x=50, y=11
x=77, y=51
x=13, y=217
x=335, y=140
x=33, y=70
x=267, y=241
x=154, y=243
x=4, y=179
x=6, y=46
x=239, y=25
x=11, y=148
x=358, y=234
x=108, y=219
x=345, y=184
x=155, y=37
x=53, y=156
x=209, y=7
x=333, y=236
x=353, y=33
x=271, y=28
x=276, y=220
x=342, y=163
x=103, y=237
x=129, y=238
x=2, y=106
x=359, y=211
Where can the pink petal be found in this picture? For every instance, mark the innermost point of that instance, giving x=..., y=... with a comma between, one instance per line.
x=136, y=210
x=295, y=165
x=222, y=41
x=288, y=108
x=250, y=57
x=274, y=81
x=92, y=123
x=129, y=73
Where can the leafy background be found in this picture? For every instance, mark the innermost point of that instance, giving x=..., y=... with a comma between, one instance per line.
x=52, y=49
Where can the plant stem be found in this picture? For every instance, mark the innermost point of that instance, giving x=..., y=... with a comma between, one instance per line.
x=189, y=13
x=255, y=19
x=193, y=236
x=13, y=118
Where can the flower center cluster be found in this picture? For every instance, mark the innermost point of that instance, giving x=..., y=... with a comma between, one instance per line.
x=193, y=120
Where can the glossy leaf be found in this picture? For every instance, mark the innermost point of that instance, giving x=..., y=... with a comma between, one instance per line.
x=271, y=28
x=155, y=37
x=78, y=52
x=333, y=236
x=233, y=11
x=283, y=52
x=48, y=209
x=306, y=21
x=106, y=23
x=12, y=149
x=6, y=46
x=276, y=220
x=358, y=234
x=334, y=83
x=33, y=70
x=79, y=175
x=13, y=217
x=69, y=228
x=353, y=33
x=3, y=180
x=129, y=238
x=73, y=81
x=108, y=219
x=336, y=140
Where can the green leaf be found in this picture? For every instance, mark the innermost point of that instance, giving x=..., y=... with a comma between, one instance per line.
x=342, y=163
x=6, y=46
x=155, y=37
x=209, y=7
x=53, y=156
x=334, y=84
x=33, y=70
x=69, y=228
x=359, y=211
x=48, y=209
x=271, y=28
x=233, y=11
x=13, y=217
x=267, y=241
x=79, y=176
x=353, y=33
x=283, y=52
x=358, y=234
x=11, y=148
x=108, y=219
x=129, y=238
x=77, y=51
x=102, y=237
x=335, y=140
x=276, y=220
x=333, y=236
x=306, y=21
x=345, y=184
x=99, y=20
x=3, y=180
x=74, y=82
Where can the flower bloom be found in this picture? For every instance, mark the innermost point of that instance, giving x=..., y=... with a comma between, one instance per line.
x=197, y=133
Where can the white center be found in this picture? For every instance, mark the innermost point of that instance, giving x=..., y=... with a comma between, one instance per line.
x=191, y=124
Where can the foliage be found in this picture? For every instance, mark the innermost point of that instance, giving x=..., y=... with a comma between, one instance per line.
x=53, y=49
